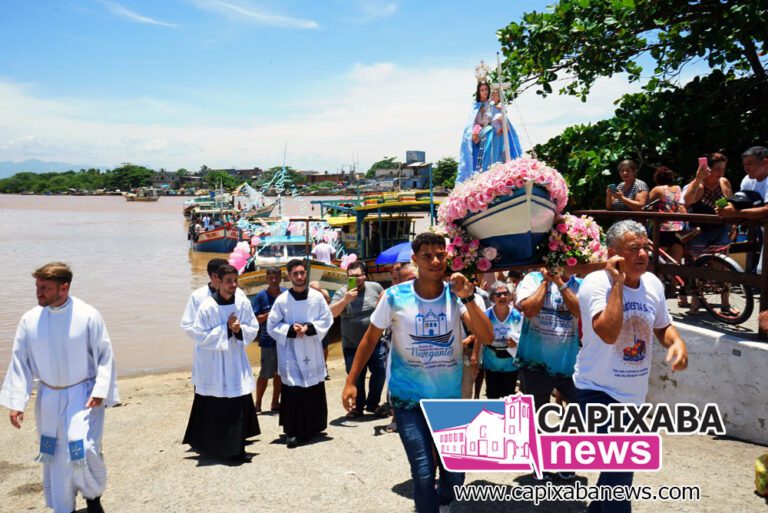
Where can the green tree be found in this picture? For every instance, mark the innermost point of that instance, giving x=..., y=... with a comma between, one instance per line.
x=385, y=163
x=129, y=176
x=217, y=178
x=673, y=127
x=326, y=184
x=444, y=172
x=579, y=41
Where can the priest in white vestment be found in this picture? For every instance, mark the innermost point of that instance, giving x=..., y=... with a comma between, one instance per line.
x=196, y=298
x=298, y=321
x=63, y=343
x=223, y=415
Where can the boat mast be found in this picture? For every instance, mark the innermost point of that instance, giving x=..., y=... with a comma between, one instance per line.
x=281, y=182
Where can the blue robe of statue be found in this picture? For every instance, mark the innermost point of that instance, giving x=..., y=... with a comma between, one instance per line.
x=471, y=158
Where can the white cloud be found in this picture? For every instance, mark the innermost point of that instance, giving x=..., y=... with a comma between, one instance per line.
x=244, y=11
x=378, y=109
x=124, y=12
x=29, y=145
x=377, y=8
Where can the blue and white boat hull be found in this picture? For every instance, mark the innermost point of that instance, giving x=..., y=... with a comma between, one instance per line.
x=514, y=224
x=218, y=240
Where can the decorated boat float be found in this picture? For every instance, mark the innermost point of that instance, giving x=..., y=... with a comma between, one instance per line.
x=512, y=216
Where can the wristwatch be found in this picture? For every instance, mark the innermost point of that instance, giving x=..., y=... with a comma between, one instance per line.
x=468, y=299
x=562, y=287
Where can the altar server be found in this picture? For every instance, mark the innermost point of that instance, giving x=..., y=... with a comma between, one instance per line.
x=298, y=321
x=223, y=414
x=198, y=296
x=193, y=304
x=63, y=343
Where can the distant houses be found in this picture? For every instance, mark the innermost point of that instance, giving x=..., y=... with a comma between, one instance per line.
x=412, y=174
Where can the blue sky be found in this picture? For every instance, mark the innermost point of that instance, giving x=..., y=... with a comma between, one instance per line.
x=182, y=83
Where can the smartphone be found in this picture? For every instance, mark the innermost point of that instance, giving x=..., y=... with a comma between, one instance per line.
x=352, y=282
x=703, y=162
x=613, y=188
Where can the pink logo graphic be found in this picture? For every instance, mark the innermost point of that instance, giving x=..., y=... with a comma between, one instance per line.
x=493, y=441
x=510, y=441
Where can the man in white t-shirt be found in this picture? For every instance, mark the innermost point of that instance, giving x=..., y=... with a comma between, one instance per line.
x=755, y=161
x=323, y=252
x=425, y=358
x=622, y=308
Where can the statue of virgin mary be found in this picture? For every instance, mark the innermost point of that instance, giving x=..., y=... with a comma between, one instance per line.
x=482, y=143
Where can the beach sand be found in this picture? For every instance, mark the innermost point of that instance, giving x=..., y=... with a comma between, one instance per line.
x=356, y=467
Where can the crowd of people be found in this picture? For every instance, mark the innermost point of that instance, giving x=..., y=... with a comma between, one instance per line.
x=708, y=192
x=578, y=339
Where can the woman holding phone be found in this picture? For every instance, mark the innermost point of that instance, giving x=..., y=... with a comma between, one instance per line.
x=701, y=196
x=631, y=193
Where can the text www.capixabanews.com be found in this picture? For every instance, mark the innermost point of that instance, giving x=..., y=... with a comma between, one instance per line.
x=548, y=492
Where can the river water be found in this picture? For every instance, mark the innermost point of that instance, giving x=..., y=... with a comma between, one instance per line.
x=131, y=260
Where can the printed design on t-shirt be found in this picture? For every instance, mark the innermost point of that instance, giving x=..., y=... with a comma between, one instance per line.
x=633, y=339
x=431, y=329
x=553, y=322
x=501, y=332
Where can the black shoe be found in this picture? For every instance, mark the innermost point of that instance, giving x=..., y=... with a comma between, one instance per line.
x=243, y=458
x=292, y=442
x=94, y=505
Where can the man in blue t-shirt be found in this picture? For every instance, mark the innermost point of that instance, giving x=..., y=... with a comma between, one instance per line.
x=262, y=304
x=549, y=339
x=425, y=359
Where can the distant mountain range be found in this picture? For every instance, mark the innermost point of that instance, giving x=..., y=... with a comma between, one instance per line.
x=9, y=168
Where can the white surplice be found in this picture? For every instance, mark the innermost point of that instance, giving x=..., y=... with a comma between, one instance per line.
x=223, y=369
x=68, y=349
x=300, y=361
x=188, y=321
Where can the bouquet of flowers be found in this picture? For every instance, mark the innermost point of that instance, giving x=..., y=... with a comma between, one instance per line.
x=465, y=255
x=573, y=240
x=477, y=193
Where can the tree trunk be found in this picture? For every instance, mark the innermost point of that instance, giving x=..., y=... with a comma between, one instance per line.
x=754, y=60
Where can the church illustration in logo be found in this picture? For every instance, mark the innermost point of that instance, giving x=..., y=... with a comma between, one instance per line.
x=432, y=329
x=491, y=440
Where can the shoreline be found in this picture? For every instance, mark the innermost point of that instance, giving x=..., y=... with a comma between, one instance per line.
x=333, y=356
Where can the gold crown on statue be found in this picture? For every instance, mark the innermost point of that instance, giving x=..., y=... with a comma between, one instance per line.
x=482, y=71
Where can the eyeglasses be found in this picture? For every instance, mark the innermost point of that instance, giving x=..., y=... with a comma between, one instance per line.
x=501, y=294
x=635, y=250
x=299, y=273
x=355, y=275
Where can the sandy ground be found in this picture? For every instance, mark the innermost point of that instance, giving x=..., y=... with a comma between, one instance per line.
x=356, y=467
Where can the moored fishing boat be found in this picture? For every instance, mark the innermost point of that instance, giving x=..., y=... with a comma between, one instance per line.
x=282, y=241
x=143, y=194
x=221, y=239
x=373, y=223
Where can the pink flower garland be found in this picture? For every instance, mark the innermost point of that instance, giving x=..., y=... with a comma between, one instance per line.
x=477, y=193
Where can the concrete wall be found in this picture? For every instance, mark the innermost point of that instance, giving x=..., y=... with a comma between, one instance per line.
x=722, y=369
